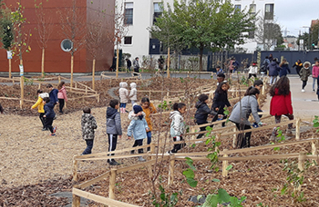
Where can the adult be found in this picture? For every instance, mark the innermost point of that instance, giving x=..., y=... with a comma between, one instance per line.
x=128, y=64
x=136, y=66
x=298, y=66
x=271, y=58
x=161, y=63
x=240, y=114
x=273, y=71
x=265, y=66
x=113, y=67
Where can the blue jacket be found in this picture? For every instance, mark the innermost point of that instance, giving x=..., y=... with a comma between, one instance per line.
x=273, y=68
x=283, y=70
x=54, y=96
x=48, y=109
x=137, y=128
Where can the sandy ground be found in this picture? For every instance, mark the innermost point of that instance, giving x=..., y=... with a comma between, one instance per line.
x=28, y=155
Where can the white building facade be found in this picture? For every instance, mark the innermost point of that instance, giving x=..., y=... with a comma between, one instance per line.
x=140, y=15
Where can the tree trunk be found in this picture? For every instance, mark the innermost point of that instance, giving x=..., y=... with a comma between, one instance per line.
x=42, y=63
x=72, y=63
x=117, y=62
x=21, y=84
x=201, y=50
x=168, y=60
x=9, y=68
x=93, y=75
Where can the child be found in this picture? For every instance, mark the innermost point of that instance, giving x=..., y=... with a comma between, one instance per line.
x=221, y=78
x=49, y=115
x=253, y=69
x=304, y=74
x=62, y=96
x=202, y=112
x=315, y=74
x=284, y=68
x=273, y=71
x=240, y=114
x=53, y=95
x=281, y=103
x=177, y=125
x=148, y=109
x=40, y=106
x=218, y=70
x=257, y=84
x=113, y=127
x=133, y=93
x=138, y=128
x=123, y=96
x=220, y=101
x=88, y=124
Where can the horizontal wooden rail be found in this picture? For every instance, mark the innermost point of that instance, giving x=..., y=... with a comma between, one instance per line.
x=111, y=157
x=94, y=180
x=100, y=199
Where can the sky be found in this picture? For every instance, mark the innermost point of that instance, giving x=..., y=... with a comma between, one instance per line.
x=294, y=14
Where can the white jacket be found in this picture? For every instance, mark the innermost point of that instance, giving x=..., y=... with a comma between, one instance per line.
x=133, y=92
x=253, y=69
x=177, y=124
x=123, y=92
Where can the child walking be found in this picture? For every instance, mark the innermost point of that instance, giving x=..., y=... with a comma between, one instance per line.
x=40, y=106
x=148, y=109
x=133, y=93
x=220, y=101
x=253, y=70
x=284, y=68
x=49, y=115
x=62, y=96
x=202, y=112
x=88, y=124
x=177, y=125
x=315, y=74
x=113, y=127
x=138, y=128
x=304, y=74
x=281, y=103
x=124, y=95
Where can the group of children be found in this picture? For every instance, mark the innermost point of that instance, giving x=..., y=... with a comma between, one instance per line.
x=125, y=95
x=46, y=103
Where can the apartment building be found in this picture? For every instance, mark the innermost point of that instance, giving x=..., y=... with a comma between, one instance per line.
x=140, y=15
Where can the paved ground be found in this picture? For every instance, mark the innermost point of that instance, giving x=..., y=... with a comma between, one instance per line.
x=305, y=105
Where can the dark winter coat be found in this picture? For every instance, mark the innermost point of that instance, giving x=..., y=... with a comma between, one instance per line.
x=113, y=121
x=54, y=96
x=220, y=101
x=298, y=67
x=48, y=110
x=273, y=68
x=304, y=73
x=88, y=124
x=284, y=69
x=129, y=63
x=202, y=112
x=280, y=104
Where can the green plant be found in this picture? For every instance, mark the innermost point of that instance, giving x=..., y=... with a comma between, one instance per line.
x=28, y=82
x=165, y=106
x=316, y=123
x=166, y=200
x=221, y=197
x=261, y=205
x=244, y=80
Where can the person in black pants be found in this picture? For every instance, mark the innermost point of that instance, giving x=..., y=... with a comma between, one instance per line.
x=202, y=113
x=49, y=115
x=128, y=64
x=220, y=101
x=88, y=125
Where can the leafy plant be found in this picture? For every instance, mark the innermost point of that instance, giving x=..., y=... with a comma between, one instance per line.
x=222, y=197
x=316, y=123
x=166, y=200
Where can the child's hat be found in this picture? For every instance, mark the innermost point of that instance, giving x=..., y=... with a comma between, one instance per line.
x=137, y=109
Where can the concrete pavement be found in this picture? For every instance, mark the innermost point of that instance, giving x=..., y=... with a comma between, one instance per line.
x=305, y=105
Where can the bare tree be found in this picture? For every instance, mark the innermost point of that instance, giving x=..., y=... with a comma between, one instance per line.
x=73, y=25
x=44, y=29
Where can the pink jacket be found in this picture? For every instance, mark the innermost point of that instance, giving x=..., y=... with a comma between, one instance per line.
x=62, y=94
x=315, y=71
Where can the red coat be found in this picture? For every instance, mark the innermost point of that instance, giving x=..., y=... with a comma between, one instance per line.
x=280, y=104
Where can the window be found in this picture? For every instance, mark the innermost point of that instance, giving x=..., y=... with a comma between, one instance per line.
x=252, y=9
x=157, y=11
x=127, y=40
x=128, y=19
x=238, y=7
x=269, y=11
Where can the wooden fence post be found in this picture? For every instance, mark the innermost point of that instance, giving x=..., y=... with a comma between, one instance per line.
x=235, y=138
x=218, y=136
x=59, y=78
x=75, y=170
x=76, y=201
x=152, y=150
x=301, y=165
x=112, y=183
x=298, y=129
x=225, y=164
x=314, y=149
x=171, y=169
